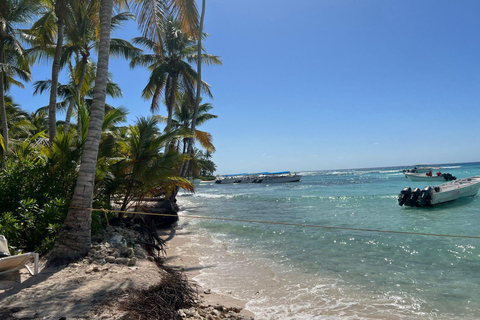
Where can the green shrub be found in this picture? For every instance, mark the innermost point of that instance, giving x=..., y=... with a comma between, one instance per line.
x=34, y=200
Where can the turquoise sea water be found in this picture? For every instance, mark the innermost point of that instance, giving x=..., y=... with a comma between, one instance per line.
x=291, y=272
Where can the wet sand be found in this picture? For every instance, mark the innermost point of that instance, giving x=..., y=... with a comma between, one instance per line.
x=179, y=255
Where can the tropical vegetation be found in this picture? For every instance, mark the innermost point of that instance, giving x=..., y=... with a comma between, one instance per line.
x=55, y=172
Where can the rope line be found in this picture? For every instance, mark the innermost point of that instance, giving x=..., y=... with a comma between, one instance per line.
x=285, y=224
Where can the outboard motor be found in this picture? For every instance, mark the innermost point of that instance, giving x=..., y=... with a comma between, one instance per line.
x=412, y=201
x=426, y=197
x=404, y=195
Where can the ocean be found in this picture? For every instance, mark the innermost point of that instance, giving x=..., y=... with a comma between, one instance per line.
x=309, y=272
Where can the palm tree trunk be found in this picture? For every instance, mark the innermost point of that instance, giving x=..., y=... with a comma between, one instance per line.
x=3, y=114
x=52, y=105
x=71, y=102
x=126, y=198
x=199, y=87
x=74, y=240
x=170, y=102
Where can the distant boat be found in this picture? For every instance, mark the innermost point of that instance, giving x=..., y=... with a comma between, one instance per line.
x=260, y=177
x=442, y=193
x=423, y=177
x=421, y=168
x=278, y=177
x=228, y=180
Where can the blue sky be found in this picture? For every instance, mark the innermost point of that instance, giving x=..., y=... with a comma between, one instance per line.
x=331, y=84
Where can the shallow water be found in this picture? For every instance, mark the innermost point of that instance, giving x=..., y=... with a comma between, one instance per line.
x=310, y=272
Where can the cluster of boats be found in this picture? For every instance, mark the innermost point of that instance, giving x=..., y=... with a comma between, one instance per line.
x=451, y=190
x=261, y=177
x=432, y=195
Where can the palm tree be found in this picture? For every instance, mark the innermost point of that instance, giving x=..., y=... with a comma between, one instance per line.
x=67, y=92
x=170, y=70
x=199, y=79
x=61, y=12
x=20, y=126
x=19, y=122
x=75, y=236
x=150, y=12
x=83, y=38
x=74, y=239
x=144, y=169
x=13, y=60
x=47, y=35
x=183, y=117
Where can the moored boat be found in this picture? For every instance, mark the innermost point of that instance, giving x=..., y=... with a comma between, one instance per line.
x=425, y=177
x=278, y=177
x=442, y=193
x=261, y=177
x=228, y=180
x=421, y=169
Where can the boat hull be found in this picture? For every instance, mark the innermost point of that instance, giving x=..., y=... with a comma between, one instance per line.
x=454, y=190
x=281, y=179
x=423, y=177
x=227, y=181
x=442, y=193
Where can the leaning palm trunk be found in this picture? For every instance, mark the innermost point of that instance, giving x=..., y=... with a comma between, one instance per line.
x=3, y=114
x=170, y=105
x=52, y=105
x=74, y=239
x=199, y=87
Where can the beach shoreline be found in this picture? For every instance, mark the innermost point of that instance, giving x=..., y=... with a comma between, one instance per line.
x=97, y=291
x=186, y=260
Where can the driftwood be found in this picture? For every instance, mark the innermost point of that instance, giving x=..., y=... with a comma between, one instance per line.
x=161, y=301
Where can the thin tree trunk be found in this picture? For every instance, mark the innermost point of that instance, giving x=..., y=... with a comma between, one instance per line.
x=170, y=101
x=126, y=198
x=71, y=102
x=3, y=114
x=199, y=87
x=74, y=240
x=52, y=105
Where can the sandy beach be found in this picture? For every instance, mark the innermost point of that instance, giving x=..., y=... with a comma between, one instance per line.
x=88, y=291
x=181, y=256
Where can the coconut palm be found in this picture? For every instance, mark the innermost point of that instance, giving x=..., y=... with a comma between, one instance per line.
x=171, y=72
x=150, y=12
x=200, y=164
x=75, y=236
x=13, y=60
x=20, y=127
x=47, y=38
x=83, y=38
x=67, y=92
x=144, y=169
x=19, y=124
x=183, y=117
x=199, y=79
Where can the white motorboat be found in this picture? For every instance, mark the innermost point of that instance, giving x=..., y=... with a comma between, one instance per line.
x=421, y=169
x=446, y=192
x=424, y=177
